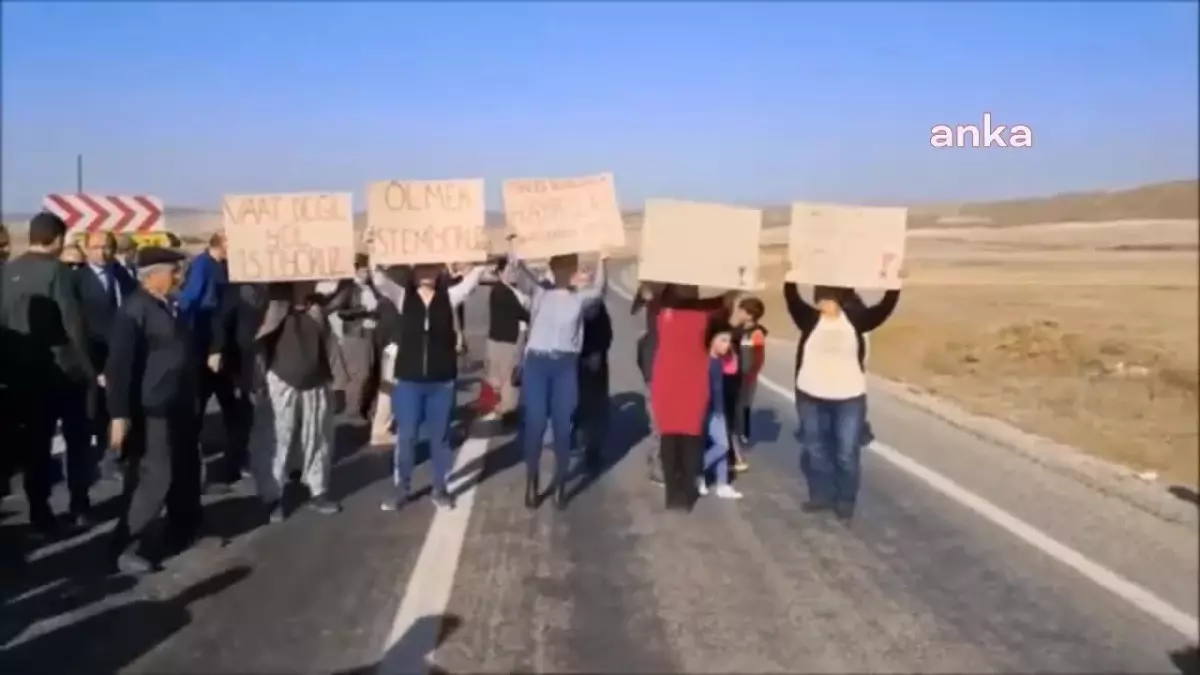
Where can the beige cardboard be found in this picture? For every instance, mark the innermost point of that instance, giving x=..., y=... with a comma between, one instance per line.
x=289, y=237
x=702, y=244
x=850, y=246
x=426, y=221
x=556, y=216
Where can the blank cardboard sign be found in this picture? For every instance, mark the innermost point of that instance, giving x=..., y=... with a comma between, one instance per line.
x=702, y=244
x=426, y=221
x=289, y=237
x=849, y=246
x=556, y=216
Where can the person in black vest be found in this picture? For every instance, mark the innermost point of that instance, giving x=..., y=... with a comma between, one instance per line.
x=508, y=308
x=151, y=381
x=300, y=361
x=426, y=370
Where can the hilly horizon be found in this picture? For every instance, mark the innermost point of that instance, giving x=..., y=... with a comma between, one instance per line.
x=1177, y=199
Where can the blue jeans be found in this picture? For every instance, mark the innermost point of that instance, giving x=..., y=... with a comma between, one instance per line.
x=549, y=395
x=414, y=403
x=716, y=452
x=831, y=447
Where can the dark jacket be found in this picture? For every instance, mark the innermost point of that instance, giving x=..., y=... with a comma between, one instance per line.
x=597, y=331
x=427, y=338
x=150, y=370
x=99, y=305
x=234, y=326
x=46, y=344
x=864, y=318
x=505, y=314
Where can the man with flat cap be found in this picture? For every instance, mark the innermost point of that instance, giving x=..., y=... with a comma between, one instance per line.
x=151, y=385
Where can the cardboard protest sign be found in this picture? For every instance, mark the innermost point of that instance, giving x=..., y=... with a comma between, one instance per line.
x=850, y=246
x=289, y=237
x=702, y=244
x=556, y=216
x=426, y=221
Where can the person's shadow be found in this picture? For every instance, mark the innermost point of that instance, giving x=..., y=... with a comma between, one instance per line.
x=412, y=651
x=627, y=425
x=1187, y=660
x=1185, y=493
x=112, y=640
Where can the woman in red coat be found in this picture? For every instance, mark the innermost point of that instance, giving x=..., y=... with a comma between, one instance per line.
x=679, y=387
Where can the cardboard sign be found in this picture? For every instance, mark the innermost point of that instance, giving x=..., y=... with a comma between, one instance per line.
x=289, y=237
x=556, y=216
x=426, y=221
x=849, y=246
x=702, y=244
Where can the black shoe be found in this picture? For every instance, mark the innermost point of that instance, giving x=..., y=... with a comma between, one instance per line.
x=82, y=519
x=44, y=522
x=443, y=499
x=324, y=505
x=136, y=565
x=560, y=494
x=812, y=506
x=532, y=490
x=275, y=511
x=844, y=511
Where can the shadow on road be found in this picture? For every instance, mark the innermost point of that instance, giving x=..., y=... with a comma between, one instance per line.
x=628, y=424
x=765, y=426
x=1185, y=493
x=1187, y=660
x=109, y=641
x=412, y=651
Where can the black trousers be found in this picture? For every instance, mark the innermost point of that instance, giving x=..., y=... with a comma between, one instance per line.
x=36, y=413
x=591, y=413
x=236, y=417
x=162, y=468
x=682, y=461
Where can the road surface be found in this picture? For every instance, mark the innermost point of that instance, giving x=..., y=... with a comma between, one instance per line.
x=963, y=558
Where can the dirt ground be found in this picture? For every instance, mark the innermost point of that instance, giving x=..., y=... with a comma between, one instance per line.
x=1061, y=330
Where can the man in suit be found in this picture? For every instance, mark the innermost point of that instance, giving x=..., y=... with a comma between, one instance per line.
x=103, y=284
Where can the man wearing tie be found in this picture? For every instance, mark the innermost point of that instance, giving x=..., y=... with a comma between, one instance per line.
x=103, y=284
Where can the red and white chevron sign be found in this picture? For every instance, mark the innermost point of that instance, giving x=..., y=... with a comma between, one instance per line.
x=97, y=213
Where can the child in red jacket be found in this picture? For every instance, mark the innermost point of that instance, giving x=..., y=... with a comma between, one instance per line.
x=752, y=354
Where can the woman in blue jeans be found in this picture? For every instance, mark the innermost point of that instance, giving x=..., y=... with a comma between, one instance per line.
x=831, y=390
x=426, y=370
x=549, y=372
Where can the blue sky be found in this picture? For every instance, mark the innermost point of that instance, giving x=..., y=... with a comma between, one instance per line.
x=742, y=103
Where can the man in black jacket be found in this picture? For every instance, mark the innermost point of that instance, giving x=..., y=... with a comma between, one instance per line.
x=151, y=395
x=46, y=353
x=231, y=371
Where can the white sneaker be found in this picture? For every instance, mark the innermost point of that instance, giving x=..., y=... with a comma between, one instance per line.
x=728, y=492
x=702, y=487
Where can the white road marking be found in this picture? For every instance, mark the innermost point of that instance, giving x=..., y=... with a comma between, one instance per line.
x=1136, y=595
x=418, y=622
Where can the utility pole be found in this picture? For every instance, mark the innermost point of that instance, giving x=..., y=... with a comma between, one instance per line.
x=79, y=174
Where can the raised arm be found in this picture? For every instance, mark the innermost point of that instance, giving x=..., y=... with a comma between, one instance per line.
x=388, y=288
x=803, y=314
x=462, y=290
x=872, y=317
x=595, y=291
x=525, y=280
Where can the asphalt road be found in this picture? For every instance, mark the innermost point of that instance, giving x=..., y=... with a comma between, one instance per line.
x=963, y=558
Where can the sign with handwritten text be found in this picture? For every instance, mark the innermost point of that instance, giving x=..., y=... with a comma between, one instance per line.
x=849, y=246
x=426, y=221
x=289, y=237
x=556, y=216
x=702, y=244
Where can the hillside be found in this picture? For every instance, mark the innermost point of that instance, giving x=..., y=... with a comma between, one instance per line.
x=1170, y=200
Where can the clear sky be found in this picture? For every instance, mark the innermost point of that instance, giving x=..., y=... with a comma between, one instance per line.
x=743, y=103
